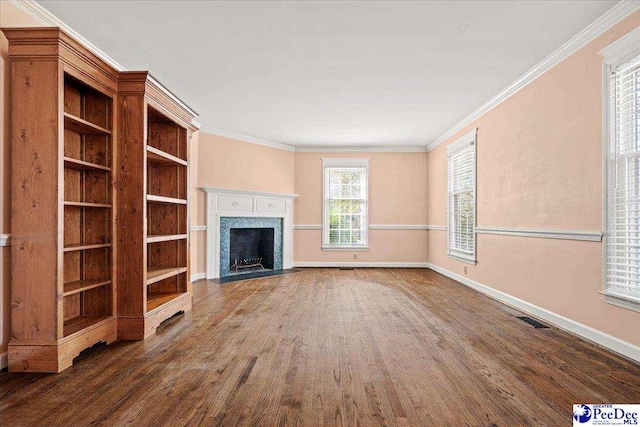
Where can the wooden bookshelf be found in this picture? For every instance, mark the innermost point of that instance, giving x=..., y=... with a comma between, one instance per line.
x=153, y=273
x=62, y=290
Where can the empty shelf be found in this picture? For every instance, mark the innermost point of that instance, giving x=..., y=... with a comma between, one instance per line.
x=162, y=199
x=156, y=299
x=76, y=124
x=86, y=246
x=75, y=324
x=155, y=155
x=157, y=274
x=87, y=205
x=165, y=238
x=71, y=163
x=77, y=286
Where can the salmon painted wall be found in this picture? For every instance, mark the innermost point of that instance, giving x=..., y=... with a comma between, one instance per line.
x=229, y=163
x=10, y=16
x=397, y=196
x=540, y=167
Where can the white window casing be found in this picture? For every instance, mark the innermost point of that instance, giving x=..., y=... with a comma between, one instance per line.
x=621, y=171
x=345, y=204
x=461, y=198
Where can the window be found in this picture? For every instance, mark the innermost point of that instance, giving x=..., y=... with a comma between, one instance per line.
x=622, y=228
x=461, y=183
x=345, y=211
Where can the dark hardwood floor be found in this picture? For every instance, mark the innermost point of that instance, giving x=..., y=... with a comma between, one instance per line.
x=330, y=347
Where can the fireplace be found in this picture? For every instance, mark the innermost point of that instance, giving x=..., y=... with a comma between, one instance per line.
x=248, y=245
x=240, y=210
x=251, y=249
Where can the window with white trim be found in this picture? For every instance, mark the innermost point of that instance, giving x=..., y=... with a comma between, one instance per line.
x=345, y=205
x=622, y=236
x=461, y=187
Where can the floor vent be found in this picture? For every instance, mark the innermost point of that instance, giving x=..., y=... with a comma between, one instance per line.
x=533, y=322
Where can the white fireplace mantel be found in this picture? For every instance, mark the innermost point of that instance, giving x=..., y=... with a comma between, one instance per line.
x=224, y=202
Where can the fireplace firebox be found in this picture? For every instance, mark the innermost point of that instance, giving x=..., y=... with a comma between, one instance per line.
x=251, y=249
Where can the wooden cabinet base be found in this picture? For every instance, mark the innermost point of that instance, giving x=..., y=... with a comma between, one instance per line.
x=54, y=358
x=141, y=327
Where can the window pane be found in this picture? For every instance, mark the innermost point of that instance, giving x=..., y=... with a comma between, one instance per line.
x=623, y=186
x=461, y=187
x=346, y=207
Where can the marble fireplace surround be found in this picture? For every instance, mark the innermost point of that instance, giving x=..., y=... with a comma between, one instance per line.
x=227, y=223
x=238, y=204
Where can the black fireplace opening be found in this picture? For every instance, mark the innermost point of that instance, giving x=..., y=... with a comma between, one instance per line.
x=251, y=249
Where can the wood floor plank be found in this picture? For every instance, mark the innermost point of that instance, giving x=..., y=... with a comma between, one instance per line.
x=328, y=347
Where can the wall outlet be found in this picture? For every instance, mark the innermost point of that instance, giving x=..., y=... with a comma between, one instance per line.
x=355, y=256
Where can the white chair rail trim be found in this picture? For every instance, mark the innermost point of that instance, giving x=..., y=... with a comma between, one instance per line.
x=589, y=236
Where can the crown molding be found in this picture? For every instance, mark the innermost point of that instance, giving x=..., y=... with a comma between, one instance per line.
x=246, y=138
x=44, y=17
x=614, y=15
x=361, y=149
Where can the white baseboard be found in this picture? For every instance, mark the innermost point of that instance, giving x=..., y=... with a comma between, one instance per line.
x=362, y=264
x=599, y=338
x=198, y=276
x=3, y=360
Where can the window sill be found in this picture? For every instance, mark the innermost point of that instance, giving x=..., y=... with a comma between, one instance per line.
x=462, y=259
x=621, y=300
x=345, y=248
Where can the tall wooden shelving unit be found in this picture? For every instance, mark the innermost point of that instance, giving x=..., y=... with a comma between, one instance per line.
x=153, y=208
x=99, y=193
x=63, y=208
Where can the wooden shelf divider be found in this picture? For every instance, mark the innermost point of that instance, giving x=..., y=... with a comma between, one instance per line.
x=76, y=324
x=87, y=205
x=162, y=199
x=77, y=286
x=82, y=126
x=158, y=274
x=155, y=155
x=71, y=163
x=165, y=238
x=86, y=247
x=158, y=299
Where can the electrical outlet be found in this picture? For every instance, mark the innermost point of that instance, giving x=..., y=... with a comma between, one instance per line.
x=355, y=256
x=465, y=270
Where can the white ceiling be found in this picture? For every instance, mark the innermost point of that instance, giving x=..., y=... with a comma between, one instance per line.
x=331, y=73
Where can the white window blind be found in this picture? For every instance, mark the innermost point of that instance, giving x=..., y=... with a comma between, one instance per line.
x=461, y=181
x=622, y=275
x=345, y=221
